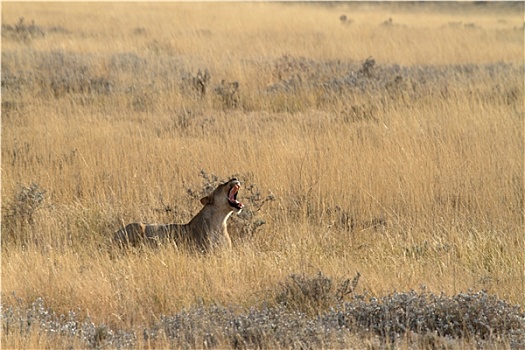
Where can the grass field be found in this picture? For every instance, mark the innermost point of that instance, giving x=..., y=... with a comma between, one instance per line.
x=376, y=140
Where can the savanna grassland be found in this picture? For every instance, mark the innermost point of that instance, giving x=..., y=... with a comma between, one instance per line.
x=380, y=147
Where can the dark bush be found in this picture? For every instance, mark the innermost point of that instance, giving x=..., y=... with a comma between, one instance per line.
x=313, y=295
x=474, y=317
x=22, y=32
x=18, y=214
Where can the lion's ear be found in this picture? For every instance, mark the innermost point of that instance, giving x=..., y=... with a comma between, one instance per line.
x=207, y=200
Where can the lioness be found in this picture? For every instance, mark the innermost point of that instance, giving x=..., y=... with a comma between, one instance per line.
x=207, y=229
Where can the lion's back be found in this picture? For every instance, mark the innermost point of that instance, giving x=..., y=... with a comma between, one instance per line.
x=131, y=234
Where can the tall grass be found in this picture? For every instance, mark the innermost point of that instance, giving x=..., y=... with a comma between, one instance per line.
x=392, y=148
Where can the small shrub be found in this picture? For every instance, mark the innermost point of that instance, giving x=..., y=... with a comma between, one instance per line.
x=128, y=62
x=22, y=32
x=18, y=215
x=288, y=67
x=200, y=82
x=228, y=93
x=63, y=73
x=197, y=84
x=312, y=295
x=367, y=69
x=248, y=222
x=345, y=20
x=139, y=31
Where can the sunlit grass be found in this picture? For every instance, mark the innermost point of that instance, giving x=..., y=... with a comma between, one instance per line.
x=410, y=173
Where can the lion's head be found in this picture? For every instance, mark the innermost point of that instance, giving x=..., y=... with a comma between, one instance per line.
x=225, y=196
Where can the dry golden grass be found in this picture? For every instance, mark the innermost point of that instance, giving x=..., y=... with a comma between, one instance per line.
x=423, y=189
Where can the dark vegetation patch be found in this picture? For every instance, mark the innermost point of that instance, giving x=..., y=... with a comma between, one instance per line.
x=144, y=79
x=19, y=212
x=25, y=32
x=422, y=319
x=22, y=31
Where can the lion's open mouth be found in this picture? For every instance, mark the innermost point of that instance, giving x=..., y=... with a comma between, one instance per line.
x=232, y=197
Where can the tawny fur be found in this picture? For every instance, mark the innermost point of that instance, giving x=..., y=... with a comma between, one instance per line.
x=206, y=230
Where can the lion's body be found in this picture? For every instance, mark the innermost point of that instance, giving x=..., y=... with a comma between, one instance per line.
x=206, y=230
